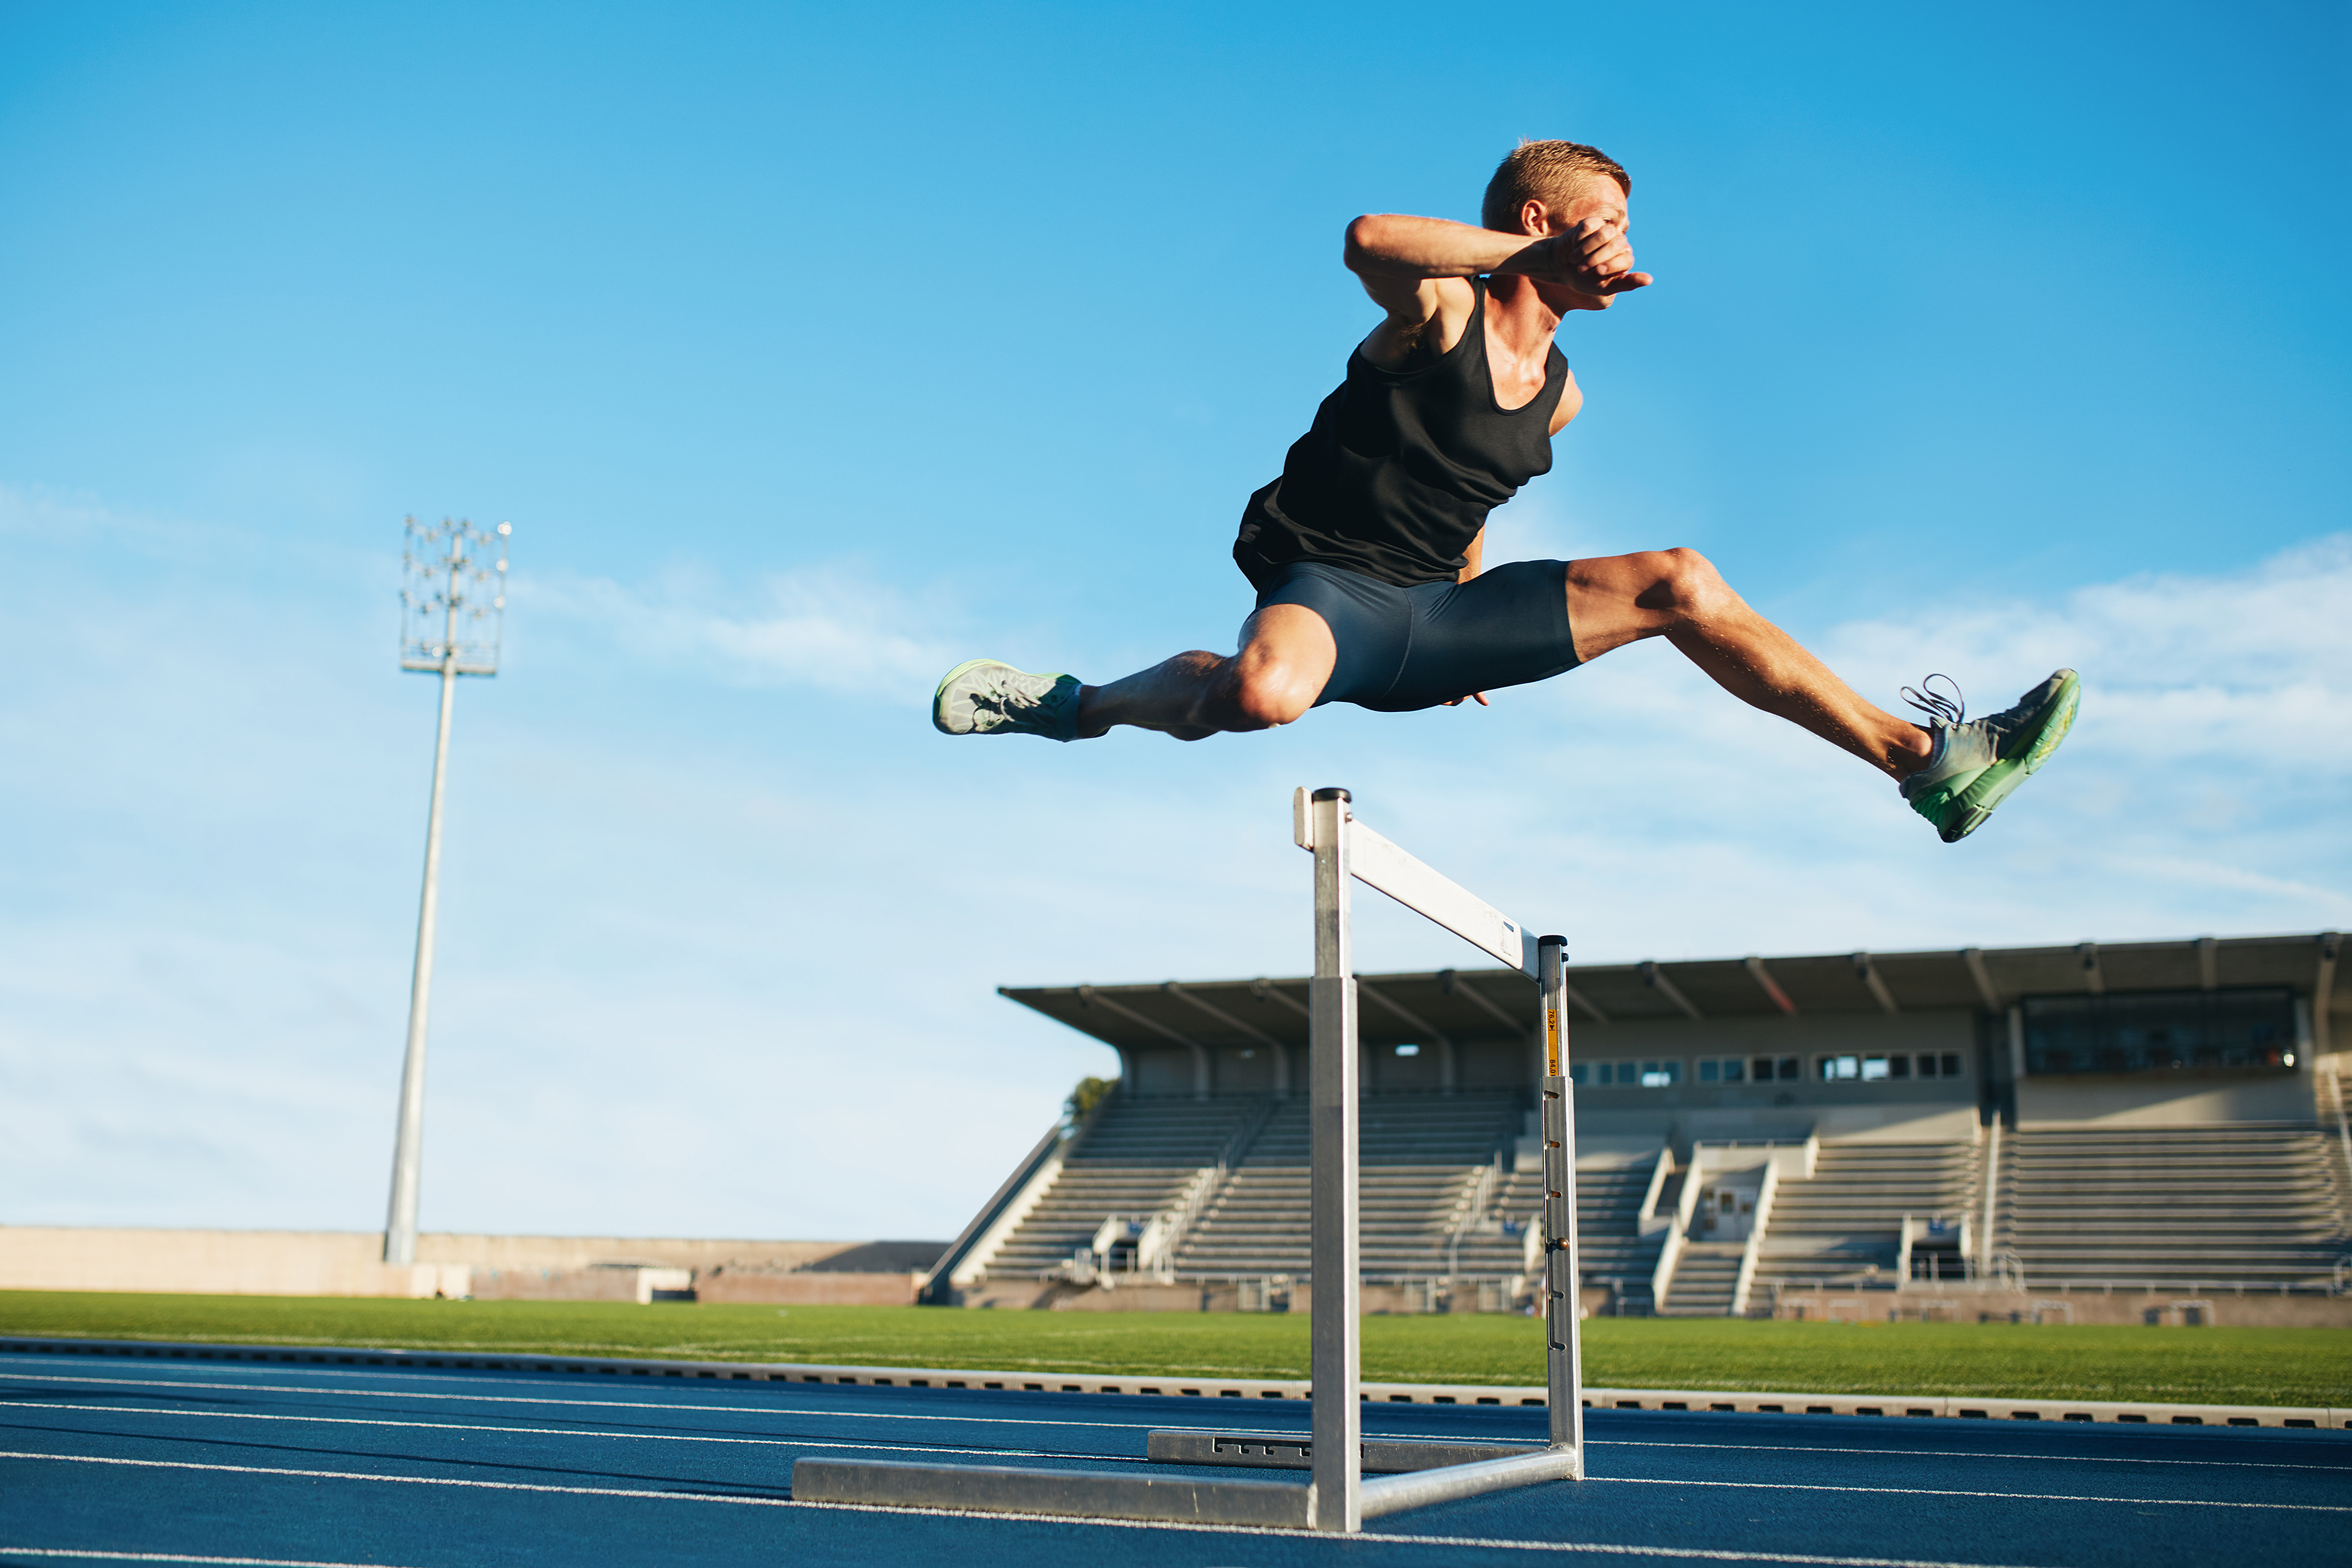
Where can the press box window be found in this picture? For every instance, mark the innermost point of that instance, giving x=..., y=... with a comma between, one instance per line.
x=1878, y=1069
x=2161, y=1032
x=1764, y=1069
x=1723, y=1070
x=1636, y=1074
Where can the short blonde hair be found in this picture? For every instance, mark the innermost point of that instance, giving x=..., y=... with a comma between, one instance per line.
x=1546, y=172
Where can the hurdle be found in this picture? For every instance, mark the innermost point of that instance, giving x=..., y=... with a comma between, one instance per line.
x=1407, y=1473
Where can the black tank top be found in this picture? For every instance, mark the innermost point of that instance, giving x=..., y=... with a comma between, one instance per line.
x=1401, y=466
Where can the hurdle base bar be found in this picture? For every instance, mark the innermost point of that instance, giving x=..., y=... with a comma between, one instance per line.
x=1102, y=1494
x=1292, y=1451
x=1421, y=1489
x=1079, y=1494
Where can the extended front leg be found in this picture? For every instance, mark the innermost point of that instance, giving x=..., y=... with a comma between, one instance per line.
x=1287, y=654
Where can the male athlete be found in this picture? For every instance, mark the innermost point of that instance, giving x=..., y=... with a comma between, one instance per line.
x=1366, y=553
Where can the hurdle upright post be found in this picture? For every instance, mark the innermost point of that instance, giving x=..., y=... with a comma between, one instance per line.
x=1563, y=1306
x=1335, y=1247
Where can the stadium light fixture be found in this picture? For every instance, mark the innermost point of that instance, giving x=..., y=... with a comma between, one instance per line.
x=453, y=604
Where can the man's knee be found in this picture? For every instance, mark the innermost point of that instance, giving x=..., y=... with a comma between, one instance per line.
x=1271, y=692
x=1685, y=584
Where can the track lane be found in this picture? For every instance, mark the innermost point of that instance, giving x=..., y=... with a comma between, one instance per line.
x=302, y=1463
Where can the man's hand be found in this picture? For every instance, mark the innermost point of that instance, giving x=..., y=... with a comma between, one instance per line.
x=1479, y=698
x=1592, y=257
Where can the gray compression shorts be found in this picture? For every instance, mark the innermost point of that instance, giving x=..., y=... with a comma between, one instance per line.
x=1407, y=648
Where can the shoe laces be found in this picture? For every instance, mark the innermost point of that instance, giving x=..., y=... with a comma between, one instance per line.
x=1009, y=704
x=1946, y=710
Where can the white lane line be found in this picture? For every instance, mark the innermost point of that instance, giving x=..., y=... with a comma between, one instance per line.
x=174, y=1557
x=831, y=1444
x=1603, y=1548
x=726, y=1497
x=566, y=1432
x=1962, y=1454
x=1043, y=1454
x=1954, y=1491
x=404, y=1480
x=647, y=1406
x=656, y=1408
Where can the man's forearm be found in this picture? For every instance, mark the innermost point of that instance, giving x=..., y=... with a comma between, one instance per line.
x=1437, y=247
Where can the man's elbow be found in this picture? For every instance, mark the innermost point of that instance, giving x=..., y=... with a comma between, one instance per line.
x=1363, y=248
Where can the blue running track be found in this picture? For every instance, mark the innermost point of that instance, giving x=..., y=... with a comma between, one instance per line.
x=130, y=1460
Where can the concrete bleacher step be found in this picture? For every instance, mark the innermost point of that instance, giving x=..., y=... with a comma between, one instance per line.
x=1843, y=1223
x=2247, y=1204
x=1845, y=1219
x=1136, y=1158
x=1419, y=1156
x=1611, y=1250
x=1873, y=1261
x=1705, y=1278
x=2301, y=1220
x=2254, y=1205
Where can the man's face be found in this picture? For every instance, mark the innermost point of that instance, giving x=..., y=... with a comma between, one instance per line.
x=1598, y=197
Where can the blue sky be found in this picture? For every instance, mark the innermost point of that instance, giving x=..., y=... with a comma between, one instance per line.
x=809, y=351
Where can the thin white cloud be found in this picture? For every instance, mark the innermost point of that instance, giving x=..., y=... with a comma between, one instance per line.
x=2254, y=666
x=825, y=629
x=2202, y=788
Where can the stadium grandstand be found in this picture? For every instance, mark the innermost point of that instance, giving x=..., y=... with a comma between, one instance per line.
x=2104, y=1132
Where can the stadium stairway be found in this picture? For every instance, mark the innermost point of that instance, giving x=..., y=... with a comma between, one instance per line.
x=1137, y=1159
x=1844, y=1221
x=1706, y=1276
x=1610, y=1249
x=1426, y=1162
x=2252, y=1206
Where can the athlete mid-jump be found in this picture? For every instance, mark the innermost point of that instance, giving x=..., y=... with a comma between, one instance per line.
x=1366, y=553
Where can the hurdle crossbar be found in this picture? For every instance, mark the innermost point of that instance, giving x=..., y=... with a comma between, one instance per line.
x=1379, y=864
x=1337, y=1455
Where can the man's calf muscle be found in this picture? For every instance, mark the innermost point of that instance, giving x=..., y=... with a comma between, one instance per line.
x=1287, y=654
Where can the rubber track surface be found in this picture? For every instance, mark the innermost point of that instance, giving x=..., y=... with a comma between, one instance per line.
x=260, y=1464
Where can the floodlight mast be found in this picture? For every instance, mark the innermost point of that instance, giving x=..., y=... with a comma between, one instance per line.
x=457, y=573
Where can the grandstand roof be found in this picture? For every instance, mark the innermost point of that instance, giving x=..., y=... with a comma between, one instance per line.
x=1491, y=1003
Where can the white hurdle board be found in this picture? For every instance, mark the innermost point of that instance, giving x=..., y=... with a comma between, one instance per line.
x=1337, y=1497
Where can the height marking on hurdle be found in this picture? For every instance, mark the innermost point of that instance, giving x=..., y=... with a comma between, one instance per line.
x=1414, y=1473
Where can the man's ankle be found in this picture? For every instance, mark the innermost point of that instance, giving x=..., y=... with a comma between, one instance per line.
x=1914, y=752
x=1091, y=725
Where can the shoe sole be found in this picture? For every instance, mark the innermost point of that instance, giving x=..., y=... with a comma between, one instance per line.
x=940, y=696
x=2000, y=781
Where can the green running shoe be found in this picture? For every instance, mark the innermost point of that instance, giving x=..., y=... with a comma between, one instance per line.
x=1977, y=763
x=985, y=696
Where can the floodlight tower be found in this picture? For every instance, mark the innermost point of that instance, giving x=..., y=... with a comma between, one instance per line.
x=453, y=602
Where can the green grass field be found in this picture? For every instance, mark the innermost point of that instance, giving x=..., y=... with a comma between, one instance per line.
x=2203, y=1365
